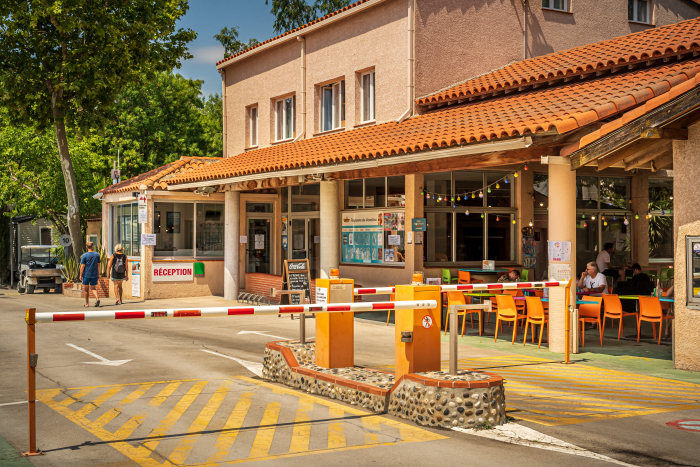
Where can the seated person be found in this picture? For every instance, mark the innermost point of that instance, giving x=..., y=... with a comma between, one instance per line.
x=512, y=276
x=638, y=275
x=592, y=281
x=603, y=263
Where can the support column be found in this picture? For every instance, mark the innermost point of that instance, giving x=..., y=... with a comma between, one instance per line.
x=562, y=227
x=232, y=245
x=330, y=228
x=526, y=211
x=640, y=227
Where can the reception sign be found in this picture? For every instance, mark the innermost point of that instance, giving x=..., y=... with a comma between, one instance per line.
x=168, y=272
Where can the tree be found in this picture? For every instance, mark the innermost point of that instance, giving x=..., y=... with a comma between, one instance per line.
x=229, y=39
x=65, y=62
x=290, y=14
x=212, y=124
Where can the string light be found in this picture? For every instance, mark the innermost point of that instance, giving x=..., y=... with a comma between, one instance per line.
x=583, y=216
x=452, y=199
x=526, y=166
x=513, y=221
x=585, y=224
x=481, y=194
x=626, y=222
x=516, y=174
x=636, y=216
x=497, y=187
x=458, y=198
x=605, y=223
x=614, y=218
x=489, y=190
x=467, y=213
x=541, y=204
x=530, y=223
x=592, y=217
x=482, y=215
x=507, y=180
x=427, y=196
x=498, y=219
x=422, y=192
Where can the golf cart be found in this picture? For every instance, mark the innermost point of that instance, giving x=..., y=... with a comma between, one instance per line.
x=38, y=270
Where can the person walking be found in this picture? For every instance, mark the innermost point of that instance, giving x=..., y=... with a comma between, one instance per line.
x=118, y=272
x=90, y=272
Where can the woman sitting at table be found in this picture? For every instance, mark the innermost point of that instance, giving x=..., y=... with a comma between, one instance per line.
x=512, y=276
x=592, y=281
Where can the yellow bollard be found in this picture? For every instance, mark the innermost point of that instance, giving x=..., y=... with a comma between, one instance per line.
x=417, y=332
x=335, y=332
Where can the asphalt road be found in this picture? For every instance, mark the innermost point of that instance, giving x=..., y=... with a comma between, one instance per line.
x=200, y=396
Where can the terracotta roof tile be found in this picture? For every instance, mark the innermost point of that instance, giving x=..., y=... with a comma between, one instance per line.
x=562, y=108
x=156, y=178
x=645, y=45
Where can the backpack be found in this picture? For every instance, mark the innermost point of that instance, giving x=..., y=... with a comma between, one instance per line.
x=119, y=266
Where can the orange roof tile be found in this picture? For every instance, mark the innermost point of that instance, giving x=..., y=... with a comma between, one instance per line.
x=156, y=178
x=562, y=108
x=645, y=45
x=318, y=20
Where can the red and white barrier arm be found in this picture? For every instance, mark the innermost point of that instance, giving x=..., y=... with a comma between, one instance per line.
x=105, y=315
x=472, y=287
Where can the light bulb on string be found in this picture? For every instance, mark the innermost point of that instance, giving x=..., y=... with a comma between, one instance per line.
x=592, y=217
x=481, y=194
x=636, y=216
x=498, y=219
x=605, y=223
x=541, y=204
x=513, y=221
x=626, y=222
x=583, y=216
x=440, y=198
x=585, y=224
x=525, y=166
x=507, y=180
x=458, y=198
x=422, y=192
x=614, y=218
x=427, y=196
x=498, y=186
x=489, y=190
x=602, y=217
x=515, y=174
x=663, y=212
x=482, y=215
x=473, y=195
x=454, y=206
x=467, y=212
x=452, y=198
x=530, y=224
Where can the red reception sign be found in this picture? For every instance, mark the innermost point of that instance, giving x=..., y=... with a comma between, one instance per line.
x=168, y=272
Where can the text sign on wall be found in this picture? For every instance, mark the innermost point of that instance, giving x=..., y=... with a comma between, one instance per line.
x=168, y=272
x=418, y=224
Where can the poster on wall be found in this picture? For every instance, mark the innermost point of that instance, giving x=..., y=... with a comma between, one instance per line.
x=284, y=226
x=260, y=242
x=362, y=237
x=135, y=278
x=529, y=252
x=559, y=251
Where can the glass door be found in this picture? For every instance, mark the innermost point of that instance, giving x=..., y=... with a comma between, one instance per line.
x=305, y=242
x=258, y=248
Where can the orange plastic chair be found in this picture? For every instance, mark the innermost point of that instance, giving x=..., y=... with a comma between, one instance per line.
x=392, y=298
x=494, y=305
x=457, y=298
x=535, y=315
x=590, y=314
x=519, y=304
x=650, y=310
x=465, y=277
x=507, y=311
x=613, y=310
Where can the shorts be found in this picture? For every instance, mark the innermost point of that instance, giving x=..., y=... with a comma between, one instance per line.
x=90, y=281
x=118, y=279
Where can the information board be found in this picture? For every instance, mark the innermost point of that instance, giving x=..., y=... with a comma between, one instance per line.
x=296, y=277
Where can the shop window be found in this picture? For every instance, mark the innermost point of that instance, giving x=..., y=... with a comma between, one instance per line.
x=126, y=228
x=540, y=191
x=501, y=187
x=555, y=4
x=285, y=121
x=173, y=224
x=438, y=237
x=306, y=198
x=373, y=237
x=375, y=192
x=586, y=243
x=466, y=185
x=614, y=230
x=354, y=193
x=469, y=237
x=210, y=229
x=661, y=221
x=438, y=187
x=253, y=127
x=638, y=10
x=396, y=191
x=614, y=193
x=500, y=237
x=258, y=207
x=332, y=100
x=586, y=192
x=368, y=99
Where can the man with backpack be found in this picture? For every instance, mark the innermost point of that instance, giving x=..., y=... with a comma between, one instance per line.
x=117, y=269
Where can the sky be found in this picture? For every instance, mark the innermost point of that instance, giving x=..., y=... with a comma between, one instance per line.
x=208, y=17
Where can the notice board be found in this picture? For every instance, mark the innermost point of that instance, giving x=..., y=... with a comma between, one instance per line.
x=296, y=277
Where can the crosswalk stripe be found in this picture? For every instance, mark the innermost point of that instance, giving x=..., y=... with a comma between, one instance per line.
x=372, y=429
x=336, y=431
x=164, y=394
x=91, y=406
x=185, y=446
x=301, y=435
x=228, y=436
x=266, y=432
x=114, y=412
x=171, y=419
x=75, y=396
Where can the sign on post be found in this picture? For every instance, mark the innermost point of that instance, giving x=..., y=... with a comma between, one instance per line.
x=148, y=239
x=143, y=214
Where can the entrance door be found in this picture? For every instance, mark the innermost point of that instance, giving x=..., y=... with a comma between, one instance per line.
x=305, y=243
x=258, y=248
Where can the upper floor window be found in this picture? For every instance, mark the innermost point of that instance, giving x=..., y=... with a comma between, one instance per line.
x=333, y=106
x=638, y=10
x=285, y=121
x=555, y=4
x=253, y=127
x=368, y=100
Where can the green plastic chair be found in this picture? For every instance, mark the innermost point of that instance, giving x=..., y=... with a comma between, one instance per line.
x=525, y=275
x=447, y=277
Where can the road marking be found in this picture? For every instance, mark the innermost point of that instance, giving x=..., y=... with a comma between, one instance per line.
x=263, y=334
x=103, y=361
x=255, y=368
x=517, y=434
x=687, y=425
x=222, y=421
x=13, y=403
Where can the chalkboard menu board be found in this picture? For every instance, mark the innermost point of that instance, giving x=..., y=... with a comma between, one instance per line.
x=296, y=277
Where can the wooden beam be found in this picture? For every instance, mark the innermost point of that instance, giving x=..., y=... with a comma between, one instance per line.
x=618, y=156
x=650, y=153
x=665, y=133
x=662, y=162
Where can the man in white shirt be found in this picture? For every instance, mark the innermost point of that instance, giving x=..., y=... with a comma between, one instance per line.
x=593, y=281
x=603, y=259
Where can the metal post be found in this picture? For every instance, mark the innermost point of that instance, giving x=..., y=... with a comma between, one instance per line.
x=302, y=320
x=31, y=381
x=453, y=338
x=567, y=322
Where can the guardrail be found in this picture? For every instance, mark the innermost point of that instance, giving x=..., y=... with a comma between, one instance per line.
x=472, y=287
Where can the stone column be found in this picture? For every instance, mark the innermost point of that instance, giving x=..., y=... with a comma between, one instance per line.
x=330, y=228
x=232, y=245
x=562, y=227
x=640, y=227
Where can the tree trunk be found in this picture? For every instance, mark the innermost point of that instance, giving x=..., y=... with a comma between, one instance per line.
x=69, y=179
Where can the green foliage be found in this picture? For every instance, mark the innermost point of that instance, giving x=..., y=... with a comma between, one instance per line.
x=104, y=261
x=71, y=267
x=290, y=14
x=161, y=120
x=229, y=39
x=660, y=227
x=4, y=245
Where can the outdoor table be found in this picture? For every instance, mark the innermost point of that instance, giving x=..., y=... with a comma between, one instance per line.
x=484, y=271
x=578, y=302
x=636, y=297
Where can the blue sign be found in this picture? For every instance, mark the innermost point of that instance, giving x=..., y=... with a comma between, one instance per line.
x=418, y=224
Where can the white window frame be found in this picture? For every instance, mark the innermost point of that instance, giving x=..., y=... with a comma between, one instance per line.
x=550, y=5
x=635, y=12
x=254, y=126
x=372, y=97
x=278, y=103
x=336, y=106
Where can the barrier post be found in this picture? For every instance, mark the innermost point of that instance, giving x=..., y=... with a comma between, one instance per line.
x=454, y=321
x=30, y=318
x=567, y=321
x=335, y=332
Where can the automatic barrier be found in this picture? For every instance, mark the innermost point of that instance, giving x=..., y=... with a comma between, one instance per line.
x=471, y=287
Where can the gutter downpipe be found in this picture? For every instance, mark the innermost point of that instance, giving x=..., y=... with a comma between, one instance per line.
x=302, y=133
x=411, y=60
x=223, y=108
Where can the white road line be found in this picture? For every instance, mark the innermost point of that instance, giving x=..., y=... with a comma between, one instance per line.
x=14, y=403
x=103, y=361
x=517, y=434
x=263, y=334
x=253, y=367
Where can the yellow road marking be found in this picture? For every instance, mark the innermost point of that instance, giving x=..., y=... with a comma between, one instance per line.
x=228, y=436
x=112, y=413
x=336, y=431
x=78, y=395
x=266, y=432
x=301, y=435
x=89, y=407
x=164, y=394
x=372, y=429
